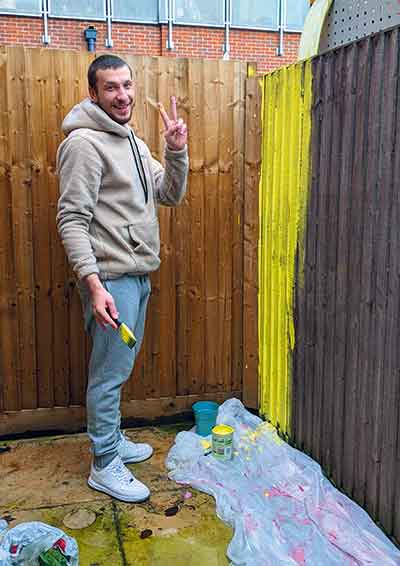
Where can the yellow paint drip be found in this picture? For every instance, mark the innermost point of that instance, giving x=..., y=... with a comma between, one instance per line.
x=284, y=185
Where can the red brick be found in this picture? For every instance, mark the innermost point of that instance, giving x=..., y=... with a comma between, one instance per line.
x=255, y=46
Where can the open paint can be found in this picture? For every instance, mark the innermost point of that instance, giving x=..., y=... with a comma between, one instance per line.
x=222, y=442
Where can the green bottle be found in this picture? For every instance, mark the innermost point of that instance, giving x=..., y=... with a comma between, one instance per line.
x=52, y=557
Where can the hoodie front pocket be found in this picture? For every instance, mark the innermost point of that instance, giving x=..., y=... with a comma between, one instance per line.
x=145, y=238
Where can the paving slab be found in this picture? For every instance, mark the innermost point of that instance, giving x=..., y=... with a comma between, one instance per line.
x=194, y=536
x=45, y=480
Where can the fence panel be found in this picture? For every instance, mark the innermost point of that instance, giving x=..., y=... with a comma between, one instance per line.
x=346, y=380
x=194, y=335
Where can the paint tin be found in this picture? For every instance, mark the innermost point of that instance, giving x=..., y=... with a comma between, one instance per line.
x=222, y=441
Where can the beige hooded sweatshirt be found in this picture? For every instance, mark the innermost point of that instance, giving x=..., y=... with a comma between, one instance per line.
x=110, y=187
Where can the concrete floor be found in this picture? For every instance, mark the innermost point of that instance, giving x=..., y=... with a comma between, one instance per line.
x=45, y=480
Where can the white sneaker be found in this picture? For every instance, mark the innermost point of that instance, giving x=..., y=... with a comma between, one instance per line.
x=132, y=452
x=116, y=480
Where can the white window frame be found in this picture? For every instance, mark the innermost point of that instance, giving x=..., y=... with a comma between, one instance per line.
x=257, y=28
x=137, y=21
x=38, y=14
x=201, y=24
x=80, y=18
x=285, y=26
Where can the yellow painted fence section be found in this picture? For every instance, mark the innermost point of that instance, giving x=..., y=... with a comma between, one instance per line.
x=284, y=185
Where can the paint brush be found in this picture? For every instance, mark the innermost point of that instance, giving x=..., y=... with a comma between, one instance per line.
x=125, y=332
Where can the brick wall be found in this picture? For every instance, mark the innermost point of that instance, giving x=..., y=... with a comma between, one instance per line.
x=254, y=46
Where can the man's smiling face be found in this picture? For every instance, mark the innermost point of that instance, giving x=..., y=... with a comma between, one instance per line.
x=115, y=93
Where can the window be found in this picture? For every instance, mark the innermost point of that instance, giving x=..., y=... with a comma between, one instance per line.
x=255, y=13
x=296, y=12
x=30, y=7
x=163, y=10
x=203, y=12
x=258, y=14
x=77, y=9
x=136, y=11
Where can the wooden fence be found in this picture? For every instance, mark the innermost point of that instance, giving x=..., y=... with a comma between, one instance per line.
x=330, y=187
x=347, y=360
x=194, y=344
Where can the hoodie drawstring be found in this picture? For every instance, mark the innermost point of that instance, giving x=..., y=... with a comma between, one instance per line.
x=139, y=166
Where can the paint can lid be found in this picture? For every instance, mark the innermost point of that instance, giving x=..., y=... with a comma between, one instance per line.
x=223, y=430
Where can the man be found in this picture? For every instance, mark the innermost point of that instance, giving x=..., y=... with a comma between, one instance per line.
x=110, y=187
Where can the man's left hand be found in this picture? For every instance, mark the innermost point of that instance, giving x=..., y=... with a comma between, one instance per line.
x=175, y=133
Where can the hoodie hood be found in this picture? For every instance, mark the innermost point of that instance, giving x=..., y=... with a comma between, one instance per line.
x=87, y=114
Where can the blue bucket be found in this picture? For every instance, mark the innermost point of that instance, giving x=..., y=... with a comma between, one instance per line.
x=205, y=415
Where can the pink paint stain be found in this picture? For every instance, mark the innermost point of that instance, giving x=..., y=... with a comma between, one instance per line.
x=250, y=524
x=298, y=556
x=277, y=492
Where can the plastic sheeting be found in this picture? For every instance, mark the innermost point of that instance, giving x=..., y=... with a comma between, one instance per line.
x=30, y=539
x=281, y=507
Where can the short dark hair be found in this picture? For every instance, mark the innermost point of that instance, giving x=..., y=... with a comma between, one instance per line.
x=105, y=62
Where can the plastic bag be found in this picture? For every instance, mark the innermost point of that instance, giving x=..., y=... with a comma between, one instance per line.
x=281, y=507
x=21, y=545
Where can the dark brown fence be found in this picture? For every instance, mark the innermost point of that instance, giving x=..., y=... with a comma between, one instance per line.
x=347, y=361
x=194, y=345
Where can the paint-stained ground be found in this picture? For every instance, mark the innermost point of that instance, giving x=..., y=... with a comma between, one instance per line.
x=45, y=480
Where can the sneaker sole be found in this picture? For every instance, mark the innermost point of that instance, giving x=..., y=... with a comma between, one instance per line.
x=126, y=499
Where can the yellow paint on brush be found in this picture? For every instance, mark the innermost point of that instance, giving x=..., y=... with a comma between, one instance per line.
x=127, y=335
x=284, y=187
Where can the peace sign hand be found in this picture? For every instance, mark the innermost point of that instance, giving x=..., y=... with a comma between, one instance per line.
x=175, y=133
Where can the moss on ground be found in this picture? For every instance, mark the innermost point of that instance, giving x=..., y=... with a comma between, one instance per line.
x=98, y=543
x=202, y=543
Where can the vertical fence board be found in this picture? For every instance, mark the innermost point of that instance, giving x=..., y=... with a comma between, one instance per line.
x=328, y=178
x=265, y=330
x=354, y=330
x=351, y=251
x=320, y=292
x=253, y=135
x=9, y=344
x=229, y=220
x=362, y=287
x=340, y=164
x=22, y=227
x=237, y=220
x=37, y=106
x=210, y=133
x=193, y=317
